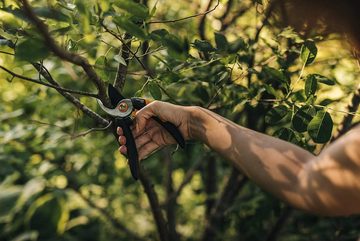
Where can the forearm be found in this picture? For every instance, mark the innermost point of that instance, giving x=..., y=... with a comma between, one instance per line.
x=270, y=162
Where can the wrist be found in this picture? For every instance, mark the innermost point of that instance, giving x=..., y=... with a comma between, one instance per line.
x=196, y=123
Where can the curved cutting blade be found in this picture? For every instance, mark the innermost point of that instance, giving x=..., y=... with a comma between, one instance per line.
x=112, y=112
x=114, y=95
x=117, y=111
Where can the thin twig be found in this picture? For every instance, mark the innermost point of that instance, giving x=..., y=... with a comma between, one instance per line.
x=188, y=17
x=4, y=52
x=75, y=101
x=81, y=134
x=59, y=88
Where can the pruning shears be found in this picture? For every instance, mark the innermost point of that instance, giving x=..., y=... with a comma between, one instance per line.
x=124, y=113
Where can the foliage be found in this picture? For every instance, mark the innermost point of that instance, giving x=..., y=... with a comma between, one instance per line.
x=57, y=184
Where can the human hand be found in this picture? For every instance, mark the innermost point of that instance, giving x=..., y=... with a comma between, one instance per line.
x=148, y=134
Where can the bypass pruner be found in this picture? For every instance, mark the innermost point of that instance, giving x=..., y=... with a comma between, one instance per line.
x=123, y=112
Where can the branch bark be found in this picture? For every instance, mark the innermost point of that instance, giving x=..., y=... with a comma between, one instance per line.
x=57, y=87
x=203, y=20
x=210, y=185
x=75, y=101
x=154, y=204
x=170, y=206
x=122, y=69
x=144, y=179
x=233, y=186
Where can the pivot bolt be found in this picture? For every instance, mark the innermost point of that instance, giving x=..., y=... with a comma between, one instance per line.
x=123, y=107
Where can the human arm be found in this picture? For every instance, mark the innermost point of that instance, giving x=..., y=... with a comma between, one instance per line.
x=328, y=184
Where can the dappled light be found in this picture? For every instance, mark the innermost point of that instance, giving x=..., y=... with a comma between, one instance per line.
x=266, y=101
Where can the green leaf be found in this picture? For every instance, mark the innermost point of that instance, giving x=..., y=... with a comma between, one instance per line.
x=133, y=8
x=203, y=46
x=8, y=198
x=287, y=134
x=302, y=117
x=276, y=114
x=298, y=95
x=153, y=10
x=118, y=58
x=104, y=69
x=168, y=40
x=72, y=45
x=17, y=13
x=31, y=50
x=237, y=45
x=50, y=13
x=308, y=52
x=320, y=127
x=274, y=74
x=130, y=27
x=48, y=214
x=154, y=91
x=221, y=42
x=310, y=85
x=322, y=79
x=271, y=90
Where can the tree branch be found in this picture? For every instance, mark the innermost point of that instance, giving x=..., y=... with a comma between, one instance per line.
x=229, y=5
x=210, y=185
x=144, y=179
x=81, y=134
x=226, y=24
x=122, y=69
x=63, y=54
x=57, y=87
x=4, y=52
x=170, y=206
x=154, y=204
x=233, y=186
x=203, y=18
x=75, y=101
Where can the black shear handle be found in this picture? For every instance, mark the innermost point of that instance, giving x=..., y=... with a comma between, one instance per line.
x=173, y=131
x=132, y=153
x=139, y=103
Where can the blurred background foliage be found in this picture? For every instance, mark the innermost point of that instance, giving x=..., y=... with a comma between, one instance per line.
x=237, y=58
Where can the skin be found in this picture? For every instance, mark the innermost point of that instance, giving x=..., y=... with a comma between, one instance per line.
x=328, y=184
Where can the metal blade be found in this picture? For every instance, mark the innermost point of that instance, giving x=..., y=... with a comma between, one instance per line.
x=114, y=95
x=112, y=112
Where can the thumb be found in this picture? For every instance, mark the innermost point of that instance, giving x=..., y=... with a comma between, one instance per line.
x=143, y=115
